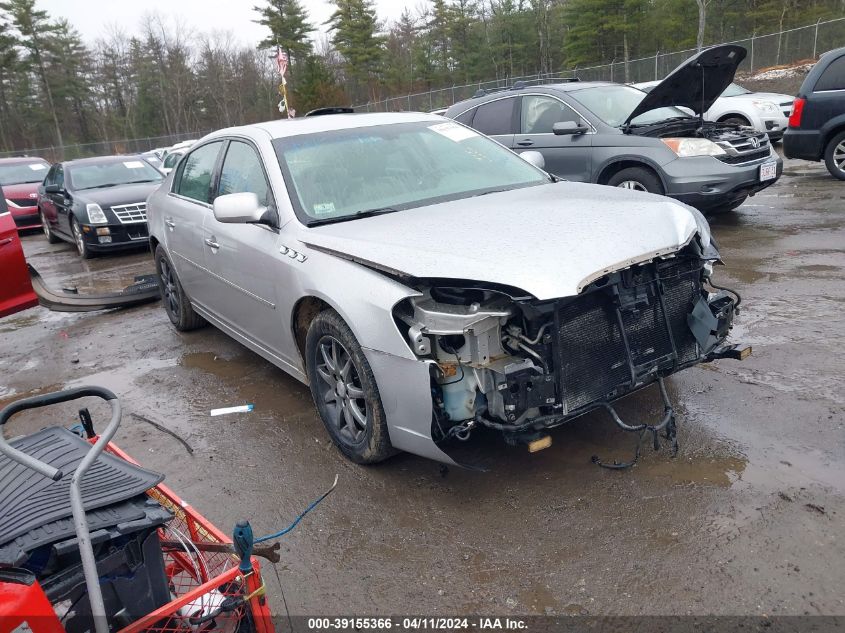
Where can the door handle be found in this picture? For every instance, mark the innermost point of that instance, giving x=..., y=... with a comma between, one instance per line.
x=526, y=143
x=170, y=223
x=8, y=240
x=210, y=242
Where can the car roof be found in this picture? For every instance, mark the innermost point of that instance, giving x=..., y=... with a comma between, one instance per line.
x=569, y=86
x=94, y=160
x=22, y=160
x=326, y=123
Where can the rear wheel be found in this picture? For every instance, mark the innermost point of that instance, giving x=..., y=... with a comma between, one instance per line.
x=834, y=156
x=79, y=240
x=45, y=226
x=638, y=179
x=344, y=389
x=179, y=309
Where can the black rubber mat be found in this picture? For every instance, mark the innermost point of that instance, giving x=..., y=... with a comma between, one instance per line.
x=134, y=514
x=29, y=500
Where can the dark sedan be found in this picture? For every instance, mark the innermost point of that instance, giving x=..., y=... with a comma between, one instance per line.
x=98, y=204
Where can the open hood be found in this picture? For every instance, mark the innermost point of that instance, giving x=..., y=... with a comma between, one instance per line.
x=550, y=240
x=695, y=84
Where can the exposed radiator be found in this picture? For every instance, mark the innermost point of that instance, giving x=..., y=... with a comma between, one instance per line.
x=612, y=339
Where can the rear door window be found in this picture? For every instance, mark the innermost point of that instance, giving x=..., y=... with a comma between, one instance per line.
x=833, y=77
x=197, y=172
x=495, y=118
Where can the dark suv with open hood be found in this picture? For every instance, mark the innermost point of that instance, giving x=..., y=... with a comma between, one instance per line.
x=616, y=135
x=98, y=204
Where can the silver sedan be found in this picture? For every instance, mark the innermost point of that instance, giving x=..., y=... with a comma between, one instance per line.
x=426, y=282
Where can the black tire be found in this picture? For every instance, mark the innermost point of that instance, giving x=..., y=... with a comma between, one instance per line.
x=48, y=232
x=79, y=241
x=176, y=304
x=638, y=179
x=834, y=156
x=345, y=391
x=736, y=120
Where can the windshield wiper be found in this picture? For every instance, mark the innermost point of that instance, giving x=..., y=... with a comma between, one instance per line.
x=365, y=213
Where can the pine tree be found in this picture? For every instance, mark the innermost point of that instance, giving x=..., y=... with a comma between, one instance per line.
x=35, y=29
x=354, y=27
x=289, y=28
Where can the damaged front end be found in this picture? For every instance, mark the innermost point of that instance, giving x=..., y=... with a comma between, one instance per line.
x=520, y=365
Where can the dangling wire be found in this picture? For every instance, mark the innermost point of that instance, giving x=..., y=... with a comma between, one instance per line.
x=299, y=518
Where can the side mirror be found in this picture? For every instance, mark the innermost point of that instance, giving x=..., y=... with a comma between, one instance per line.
x=535, y=158
x=52, y=189
x=568, y=128
x=238, y=208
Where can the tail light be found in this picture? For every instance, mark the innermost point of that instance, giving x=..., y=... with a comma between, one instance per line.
x=797, y=111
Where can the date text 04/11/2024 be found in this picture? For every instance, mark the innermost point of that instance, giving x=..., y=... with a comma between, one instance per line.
x=416, y=623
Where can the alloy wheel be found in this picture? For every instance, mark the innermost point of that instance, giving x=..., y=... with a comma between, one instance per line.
x=171, y=291
x=77, y=237
x=45, y=226
x=341, y=390
x=839, y=156
x=632, y=184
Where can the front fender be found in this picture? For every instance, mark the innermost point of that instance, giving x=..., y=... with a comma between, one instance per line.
x=363, y=297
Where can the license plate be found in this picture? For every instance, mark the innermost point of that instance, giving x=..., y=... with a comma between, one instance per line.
x=768, y=171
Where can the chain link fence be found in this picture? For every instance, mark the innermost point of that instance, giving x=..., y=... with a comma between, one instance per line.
x=764, y=51
x=105, y=148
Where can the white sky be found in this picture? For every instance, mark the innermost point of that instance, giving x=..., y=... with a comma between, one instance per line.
x=92, y=17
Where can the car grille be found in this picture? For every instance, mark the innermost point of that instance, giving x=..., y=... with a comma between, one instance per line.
x=745, y=149
x=131, y=213
x=602, y=338
x=786, y=107
x=23, y=202
x=745, y=158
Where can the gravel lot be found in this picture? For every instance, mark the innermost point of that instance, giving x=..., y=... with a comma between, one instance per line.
x=748, y=519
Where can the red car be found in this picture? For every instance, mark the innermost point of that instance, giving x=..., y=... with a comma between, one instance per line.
x=15, y=290
x=19, y=178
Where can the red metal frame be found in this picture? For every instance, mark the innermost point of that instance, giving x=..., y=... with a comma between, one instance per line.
x=168, y=618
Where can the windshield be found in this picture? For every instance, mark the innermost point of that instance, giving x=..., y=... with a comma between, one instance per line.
x=613, y=105
x=342, y=174
x=112, y=173
x=734, y=91
x=24, y=172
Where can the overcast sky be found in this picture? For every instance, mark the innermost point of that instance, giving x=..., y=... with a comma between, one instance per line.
x=91, y=17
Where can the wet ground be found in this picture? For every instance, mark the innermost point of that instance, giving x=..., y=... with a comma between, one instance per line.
x=748, y=519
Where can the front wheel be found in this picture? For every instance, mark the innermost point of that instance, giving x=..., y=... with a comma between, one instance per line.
x=834, y=156
x=636, y=178
x=45, y=226
x=79, y=240
x=177, y=306
x=344, y=390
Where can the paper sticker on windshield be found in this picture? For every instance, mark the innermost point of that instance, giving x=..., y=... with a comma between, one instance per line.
x=133, y=164
x=37, y=167
x=324, y=208
x=453, y=131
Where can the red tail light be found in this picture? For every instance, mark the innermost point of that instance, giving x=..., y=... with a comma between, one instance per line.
x=797, y=111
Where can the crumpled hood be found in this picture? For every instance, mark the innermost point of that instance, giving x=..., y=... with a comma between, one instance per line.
x=549, y=240
x=685, y=86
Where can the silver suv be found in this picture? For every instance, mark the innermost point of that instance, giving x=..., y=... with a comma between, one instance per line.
x=617, y=135
x=427, y=282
